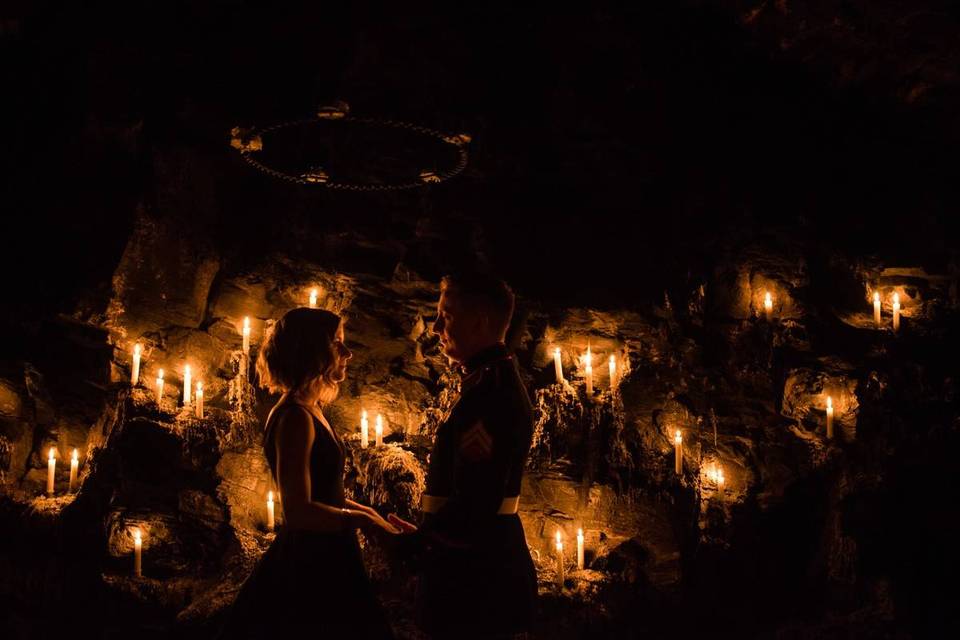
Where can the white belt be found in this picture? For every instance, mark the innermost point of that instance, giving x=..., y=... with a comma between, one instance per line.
x=432, y=504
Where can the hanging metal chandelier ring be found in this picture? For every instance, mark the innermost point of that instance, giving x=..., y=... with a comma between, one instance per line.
x=250, y=142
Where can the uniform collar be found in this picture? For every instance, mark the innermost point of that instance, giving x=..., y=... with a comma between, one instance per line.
x=486, y=356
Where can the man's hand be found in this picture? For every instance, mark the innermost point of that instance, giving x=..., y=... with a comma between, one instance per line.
x=401, y=524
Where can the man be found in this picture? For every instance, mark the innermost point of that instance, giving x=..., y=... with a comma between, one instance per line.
x=477, y=579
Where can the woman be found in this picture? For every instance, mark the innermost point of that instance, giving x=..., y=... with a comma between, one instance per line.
x=312, y=577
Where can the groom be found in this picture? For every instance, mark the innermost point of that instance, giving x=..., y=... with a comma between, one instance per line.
x=477, y=578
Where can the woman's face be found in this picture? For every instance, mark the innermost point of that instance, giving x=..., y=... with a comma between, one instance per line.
x=342, y=355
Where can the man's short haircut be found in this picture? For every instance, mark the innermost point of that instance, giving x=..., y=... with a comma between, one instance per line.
x=485, y=291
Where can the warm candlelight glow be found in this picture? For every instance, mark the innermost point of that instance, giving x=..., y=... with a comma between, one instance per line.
x=720, y=480
x=186, y=384
x=199, y=399
x=876, y=308
x=580, y=549
x=613, y=372
x=74, y=465
x=378, y=430
x=768, y=304
x=313, y=298
x=364, y=429
x=558, y=367
x=559, y=547
x=159, y=387
x=589, y=372
x=135, y=373
x=896, y=311
x=137, y=557
x=829, y=417
x=678, y=452
x=271, y=523
x=246, y=334
x=51, y=470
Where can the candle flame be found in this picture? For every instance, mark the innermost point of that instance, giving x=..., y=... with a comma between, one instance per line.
x=75, y=455
x=136, y=535
x=160, y=375
x=559, y=540
x=677, y=438
x=246, y=324
x=829, y=402
x=579, y=533
x=199, y=387
x=379, y=426
x=136, y=349
x=896, y=298
x=186, y=370
x=269, y=496
x=556, y=352
x=720, y=477
x=876, y=296
x=313, y=297
x=767, y=299
x=51, y=454
x=363, y=414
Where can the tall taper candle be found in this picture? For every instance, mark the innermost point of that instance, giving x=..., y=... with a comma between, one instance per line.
x=199, y=400
x=186, y=384
x=51, y=470
x=589, y=372
x=313, y=298
x=876, y=308
x=246, y=334
x=559, y=547
x=137, y=557
x=378, y=430
x=270, y=520
x=557, y=366
x=768, y=305
x=896, y=311
x=580, y=549
x=829, y=417
x=678, y=452
x=613, y=372
x=364, y=430
x=135, y=372
x=74, y=466
x=159, y=387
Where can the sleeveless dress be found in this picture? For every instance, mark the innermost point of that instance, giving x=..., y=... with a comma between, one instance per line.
x=309, y=581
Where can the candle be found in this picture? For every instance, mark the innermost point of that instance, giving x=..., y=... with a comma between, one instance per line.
x=720, y=481
x=199, y=399
x=557, y=366
x=51, y=470
x=589, y=373
x=678, y=452
x=270, y=520
x=313, y=298
x=74, y=465
x=896, y=311
x=246, y=334
x=159, y=387
x=829, y=417
x=379, y=430
x=364, y=428
x=613, y=372
x=559, y=559
x=768, y=305
x=135, y=374
x=580, y=549
x=876, y=308
x=186, y=384
x=137, y=558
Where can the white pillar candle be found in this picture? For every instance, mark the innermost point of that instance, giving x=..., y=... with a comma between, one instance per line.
x=613, y=372
x=678, y=452
x=557, y=366
x=270, y=520
x=51, y=470
x=559, y=547
x=768, y=305
x=186, y=384
x=137, y=557
x=378, y=429
x=313, y=298
x=74, y=466
x=159, y=387
x=199, y=399
x=246, y=334
x=135, y=372
x=896, y=311
x=829, y=417
x=580, y=549
x=876, y=308
x=364, y=430
x=589, y=372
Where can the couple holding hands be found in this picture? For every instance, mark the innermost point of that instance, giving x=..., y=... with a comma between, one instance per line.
x=476, y=577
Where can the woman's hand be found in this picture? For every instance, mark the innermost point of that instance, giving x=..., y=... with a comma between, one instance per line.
x=401, y=524
x=370, y=522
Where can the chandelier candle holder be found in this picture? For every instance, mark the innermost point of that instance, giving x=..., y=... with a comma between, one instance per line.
x=74, y=467
x=135, y=371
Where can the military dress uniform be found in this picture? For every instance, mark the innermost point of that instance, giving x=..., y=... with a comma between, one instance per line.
x=477, y=576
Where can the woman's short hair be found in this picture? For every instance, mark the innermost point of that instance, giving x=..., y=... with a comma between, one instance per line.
x=299, y=350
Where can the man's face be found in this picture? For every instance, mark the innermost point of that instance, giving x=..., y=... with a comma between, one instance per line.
x=462, y=331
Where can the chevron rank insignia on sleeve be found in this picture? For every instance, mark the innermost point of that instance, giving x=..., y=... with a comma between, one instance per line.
x=476, y=443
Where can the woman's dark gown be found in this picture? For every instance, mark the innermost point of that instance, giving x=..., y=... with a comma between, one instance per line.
x=308, y=581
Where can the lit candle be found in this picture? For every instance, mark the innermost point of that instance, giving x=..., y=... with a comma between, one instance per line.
x=876, y=308
x=720, y=481
x=313, y=298
x=186, y=384
x=829, y=417
x=135, y=374
x=74, y=465
x=246, y=334
x=199, y=399
x=364, y=428
x=557, y=366
x=137, y=558
x=613, y=372
x=589, y=373
x=559, y=559
x=580, y=549
x=51, y=470
x=678, y=452
x=270, y=520
x=378, y=429
x=896, y=311
x=768, y=305
x=159, y=387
